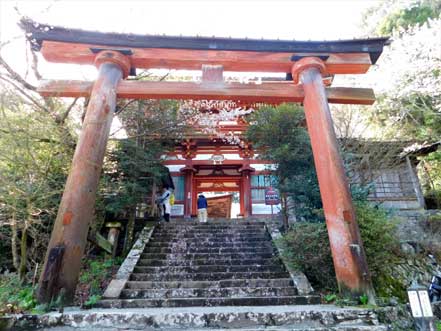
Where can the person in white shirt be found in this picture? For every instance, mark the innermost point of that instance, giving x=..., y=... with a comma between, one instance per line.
x=164, y=200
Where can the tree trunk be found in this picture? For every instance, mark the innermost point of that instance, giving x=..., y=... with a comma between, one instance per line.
x=285, y=211
x=23, y=253
x=130, y=230
x=154, y=208
x=14, y=237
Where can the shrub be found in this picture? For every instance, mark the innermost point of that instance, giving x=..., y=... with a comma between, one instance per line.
x=434, y=223
x=15, y=296
x=96, y=274
x=377, y=231
x=306, y=247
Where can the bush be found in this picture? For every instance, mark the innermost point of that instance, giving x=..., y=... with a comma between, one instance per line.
x=96, y=275
x=306, y=248
x=377, y=231
x=15, y=297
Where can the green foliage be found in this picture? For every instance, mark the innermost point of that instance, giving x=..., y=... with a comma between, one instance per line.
x=95, y=273
x=130, y=171
x=93, y=300
x=431, y=179
x=13, y=292
x=35, y=153
x=392, y=16
x=417, y=13
x=364, y=299
x=408, y=104
x=134, y=164
x=329, y=298
x=306, y=247
x=434, y=223
x=280, y=133
x=342, y=301
x=377, y=231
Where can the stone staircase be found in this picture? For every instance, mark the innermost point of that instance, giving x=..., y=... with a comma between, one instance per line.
x=220, y=263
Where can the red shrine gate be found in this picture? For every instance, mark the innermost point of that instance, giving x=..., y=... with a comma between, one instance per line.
x=311, y=65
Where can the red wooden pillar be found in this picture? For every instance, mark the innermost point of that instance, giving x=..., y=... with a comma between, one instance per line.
x=69, y=235
x=188, y=190
x=347, y=249
x=246, y=190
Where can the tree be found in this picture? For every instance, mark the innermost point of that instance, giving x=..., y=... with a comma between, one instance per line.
x=133, y=165
x=408, y=78
x=280, y=135
x=391, y=16
x=34, y=162
x=36, y=144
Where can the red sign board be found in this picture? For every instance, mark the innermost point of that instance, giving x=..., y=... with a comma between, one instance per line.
x=271, y=196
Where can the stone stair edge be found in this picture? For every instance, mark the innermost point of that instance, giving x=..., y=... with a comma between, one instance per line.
x=245, y=318
x=204, y=283
x=210, y=301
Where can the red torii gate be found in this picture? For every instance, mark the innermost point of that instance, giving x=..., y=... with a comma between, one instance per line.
x=309, y=64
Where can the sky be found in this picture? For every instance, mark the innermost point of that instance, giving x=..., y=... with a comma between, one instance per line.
x=286, y=19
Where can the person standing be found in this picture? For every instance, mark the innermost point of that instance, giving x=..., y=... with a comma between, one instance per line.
x=164, y=200
x=202, y=208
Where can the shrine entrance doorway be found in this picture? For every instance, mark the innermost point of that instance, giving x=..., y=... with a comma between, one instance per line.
x=221, y=193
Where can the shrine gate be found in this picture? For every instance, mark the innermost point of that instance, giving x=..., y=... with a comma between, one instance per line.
x=310, y=67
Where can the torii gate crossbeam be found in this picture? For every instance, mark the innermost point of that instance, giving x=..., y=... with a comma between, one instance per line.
x=116, y=55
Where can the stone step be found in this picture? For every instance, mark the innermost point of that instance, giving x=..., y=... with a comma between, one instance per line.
x=270, y=318
x=195, y=250
x=279, y=328
x=208, y=269
x=210, y=225
x=213, y=237
x=207, y=276
x=213, y=229
x=200, y=302
x=227, y=292
x=210, y=244
x=295, y=328
x=189, y=265
x=208, y=262
x=204, y=233
x=225, y=222
x=281, y=282
x=243, y=231
x=207, y=256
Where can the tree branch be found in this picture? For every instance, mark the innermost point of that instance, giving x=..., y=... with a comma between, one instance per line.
x=59, y=119
x=35, y=102
x=15, y=76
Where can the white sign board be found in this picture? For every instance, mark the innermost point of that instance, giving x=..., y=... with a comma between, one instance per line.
x=177, y=210
x=415, y=304
x=425, y=304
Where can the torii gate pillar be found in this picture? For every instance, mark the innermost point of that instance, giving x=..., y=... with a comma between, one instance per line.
x=69, y=235
x=344, y=236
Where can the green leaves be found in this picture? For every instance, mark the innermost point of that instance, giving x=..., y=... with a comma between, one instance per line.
x=280, y=133
x=306, y=247
x=14, y=293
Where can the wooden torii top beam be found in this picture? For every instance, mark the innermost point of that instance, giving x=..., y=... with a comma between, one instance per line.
x=63, y=45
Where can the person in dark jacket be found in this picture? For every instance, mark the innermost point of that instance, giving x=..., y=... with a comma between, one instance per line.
x=202, y=208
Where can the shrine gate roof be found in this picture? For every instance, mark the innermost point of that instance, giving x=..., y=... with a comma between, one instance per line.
x=40, y=33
